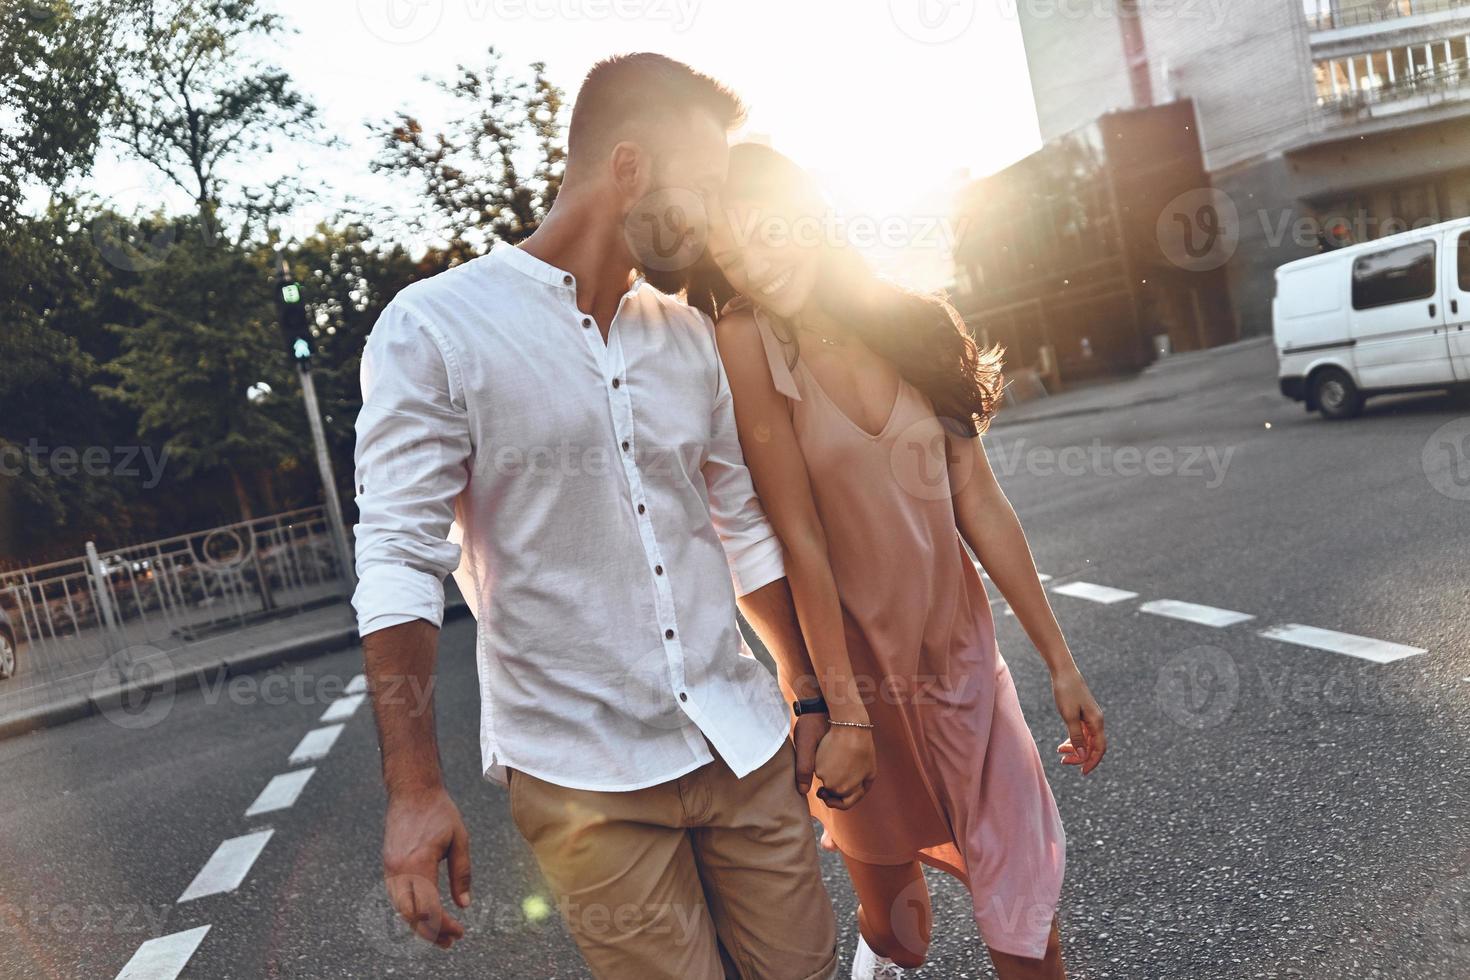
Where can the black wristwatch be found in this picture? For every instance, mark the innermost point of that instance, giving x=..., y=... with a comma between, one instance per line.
x=809, y=706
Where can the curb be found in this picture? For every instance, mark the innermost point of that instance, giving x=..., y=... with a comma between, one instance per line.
x=79, y=706
x=1067, y=413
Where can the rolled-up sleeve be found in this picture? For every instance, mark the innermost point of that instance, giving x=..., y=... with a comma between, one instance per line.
x=751, y=547
x=412, y=462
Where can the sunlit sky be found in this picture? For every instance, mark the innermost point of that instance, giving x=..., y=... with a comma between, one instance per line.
x=892, y=103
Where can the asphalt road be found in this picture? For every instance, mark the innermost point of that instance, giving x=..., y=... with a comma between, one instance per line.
x=1268, y=809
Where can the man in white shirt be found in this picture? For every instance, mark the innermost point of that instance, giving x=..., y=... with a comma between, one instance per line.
x=578, y=432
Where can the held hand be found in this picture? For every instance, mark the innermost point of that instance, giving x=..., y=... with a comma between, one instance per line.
x=424, y=828
x=805, y=738
x=847, y=763
x=1084, y=720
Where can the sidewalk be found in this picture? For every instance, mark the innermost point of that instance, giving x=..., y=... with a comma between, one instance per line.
x=1169, y=378
x=53, y=701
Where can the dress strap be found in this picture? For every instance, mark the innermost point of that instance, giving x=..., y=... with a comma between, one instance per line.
x=778, y=352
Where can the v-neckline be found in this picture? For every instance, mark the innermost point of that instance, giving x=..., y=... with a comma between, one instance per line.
x=872, y=436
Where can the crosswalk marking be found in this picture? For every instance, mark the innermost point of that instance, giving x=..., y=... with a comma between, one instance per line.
x=343, y=708
x=1094, y=593
x=1378, y=651
x=227, y=866
x=1193, y=612
x=315, y=744
x=358, y=685
x=281, y=792
x=1040, y=576
x=163, y=958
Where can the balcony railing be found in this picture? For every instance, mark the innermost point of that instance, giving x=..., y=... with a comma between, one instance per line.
x=1433, y=86
x=1376, y=12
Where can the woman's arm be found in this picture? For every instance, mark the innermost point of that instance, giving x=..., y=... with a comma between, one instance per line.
x=846, y=759
x=990, y=527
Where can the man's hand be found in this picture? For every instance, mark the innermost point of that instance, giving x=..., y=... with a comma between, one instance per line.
x=805, y=738
x=847, y=764
x=424, y=828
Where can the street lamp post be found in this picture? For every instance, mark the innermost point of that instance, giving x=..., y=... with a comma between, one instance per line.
x=298, y=341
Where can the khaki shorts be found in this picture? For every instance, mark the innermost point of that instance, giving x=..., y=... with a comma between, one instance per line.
x=700, y=878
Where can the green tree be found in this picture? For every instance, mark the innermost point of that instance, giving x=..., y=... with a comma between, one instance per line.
x=493, y=173
x=199, y=102
x=206, y=334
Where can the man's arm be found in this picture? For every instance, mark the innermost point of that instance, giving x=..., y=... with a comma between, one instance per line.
x=423, y=826
x=413, y=449
x=772, y=614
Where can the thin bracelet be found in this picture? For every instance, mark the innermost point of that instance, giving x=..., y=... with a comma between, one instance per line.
x=852, y=724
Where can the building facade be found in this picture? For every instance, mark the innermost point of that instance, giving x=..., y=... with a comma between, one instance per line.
x=1319, y=121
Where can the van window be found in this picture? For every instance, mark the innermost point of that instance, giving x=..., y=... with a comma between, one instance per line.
x=1464, y=250
x=1394, y=275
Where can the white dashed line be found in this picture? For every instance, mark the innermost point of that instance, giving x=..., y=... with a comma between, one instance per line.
x=343, y=708
x=1378, y=651
x=1040, y=576
x=281, y=792
x=1094, y=593
x=227, y=866
x=358, y=685
x=1194, y=613
x=163, y=958
x=315, y=744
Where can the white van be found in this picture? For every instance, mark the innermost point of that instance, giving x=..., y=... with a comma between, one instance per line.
x=1390, y=315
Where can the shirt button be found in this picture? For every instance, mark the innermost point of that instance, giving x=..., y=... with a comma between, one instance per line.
x=617, y=382
x=641, y=508
x=625, y=445
x=668, y=634
x=658, y=569
x=683, y=696
x=566, y=280
x=586, y=321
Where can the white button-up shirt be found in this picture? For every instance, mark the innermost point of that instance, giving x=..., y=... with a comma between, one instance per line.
x=602, y=505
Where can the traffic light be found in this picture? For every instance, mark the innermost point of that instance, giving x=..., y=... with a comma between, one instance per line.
x=291, y=315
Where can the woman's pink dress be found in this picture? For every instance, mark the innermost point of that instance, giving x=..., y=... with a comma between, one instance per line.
x=960, y=784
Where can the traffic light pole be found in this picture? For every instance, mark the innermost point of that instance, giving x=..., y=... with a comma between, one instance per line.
x=329, y=479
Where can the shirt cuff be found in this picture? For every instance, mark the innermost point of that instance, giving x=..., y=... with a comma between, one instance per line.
x=391, y=595
x=758, y=564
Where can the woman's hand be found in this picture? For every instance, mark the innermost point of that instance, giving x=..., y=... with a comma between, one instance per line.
x=1084, y=720
x=847, y=763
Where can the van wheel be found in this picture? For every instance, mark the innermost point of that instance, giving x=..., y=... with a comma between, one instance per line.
x=1335, y=395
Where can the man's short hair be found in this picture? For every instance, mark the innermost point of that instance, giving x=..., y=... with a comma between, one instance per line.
x=630, y=95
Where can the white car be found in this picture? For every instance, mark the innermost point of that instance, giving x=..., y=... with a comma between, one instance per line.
x=1381, y=317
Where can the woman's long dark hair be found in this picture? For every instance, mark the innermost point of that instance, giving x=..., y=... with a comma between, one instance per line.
x=921, y=335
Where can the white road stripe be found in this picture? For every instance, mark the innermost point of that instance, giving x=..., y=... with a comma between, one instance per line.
x=358, y=685
x=227, y=866
x=1040, y=576
x=281, y=792
x=1194, y=613
x=1094, y=593
x=163, y=958
x=1378, y=651
x=343, y=708
x=315, y=744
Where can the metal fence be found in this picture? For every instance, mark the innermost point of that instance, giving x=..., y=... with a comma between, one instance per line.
x=70, y=617
x=1328, y=14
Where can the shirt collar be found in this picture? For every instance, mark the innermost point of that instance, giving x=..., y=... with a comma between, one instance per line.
x=526, y=263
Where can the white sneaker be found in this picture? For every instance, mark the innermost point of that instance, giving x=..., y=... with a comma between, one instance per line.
x=868, y=965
